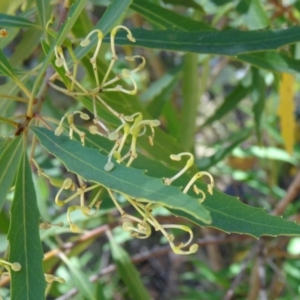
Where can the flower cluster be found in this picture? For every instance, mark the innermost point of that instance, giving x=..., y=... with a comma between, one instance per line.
x=130, y=129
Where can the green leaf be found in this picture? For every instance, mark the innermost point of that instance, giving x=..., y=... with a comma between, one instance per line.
x=230, y=102
x=160, y=92
x=78, y=277
x=113, y=12
x=157, y=87
x=135, y=183
x=14, y=21
x=8, y=6
x=185, y=3
x=229, y=42
x=271, y=153
x=43, y=8
x=4, y=225
x=173, y=121
x=25, y=246
x=84, y=24
x=273, y=61
x=154, y=167
x=9, y=161
x=65, y=29
x=259, y=99
x=5, y=67
x=128, y=272
x=26, y=46
x=230, y=215
x=100, y=290
x=226, y=147
x=254, y=14
x=166, y=18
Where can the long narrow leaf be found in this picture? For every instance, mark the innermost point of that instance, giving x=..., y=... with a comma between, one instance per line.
x=163, y=94
x=272, y=60
x=43, y=8
x=135, y=183
x=128, y=272
x=166, y=18
x=230, y=102
x=229, y=214
x=254, y=14
x=227, y=146
x=187, y=3
x=28, y=43
x=232, y=216
x=9, y=161
x=79, y=278
x=15, y=21
x=25, y=246
x=5, y=67
x=259, y=99
x=229, y=42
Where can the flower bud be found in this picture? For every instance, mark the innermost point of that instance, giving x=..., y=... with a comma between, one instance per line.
x=109, y=166
x=15, y=266
x=85, y=42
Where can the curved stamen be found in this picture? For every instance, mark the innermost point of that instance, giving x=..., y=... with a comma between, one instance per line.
x=47, y=225
x=140, y=66
x=67, y=184
x=184, y=228
x=198, y=191
x=86, y=42
x=59, y=130
x=84, y=209
x=113, y=50
x=188, y=164
x=58, y=61
x=197, y=176
x=51, y=278
x=117, y=154
x=170, y=237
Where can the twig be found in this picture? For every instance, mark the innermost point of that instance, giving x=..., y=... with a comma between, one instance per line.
x=291, y=194
x=262, y=276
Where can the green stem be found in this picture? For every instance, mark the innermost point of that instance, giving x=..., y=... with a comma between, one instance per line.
x=8, y=121
x=193, y=89
x=22, y=87
x=190, y=91
x=15, y=98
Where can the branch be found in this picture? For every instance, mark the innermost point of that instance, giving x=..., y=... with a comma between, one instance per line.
x=292, y=192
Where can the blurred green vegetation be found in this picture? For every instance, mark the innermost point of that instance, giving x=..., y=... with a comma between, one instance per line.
x=216, y=79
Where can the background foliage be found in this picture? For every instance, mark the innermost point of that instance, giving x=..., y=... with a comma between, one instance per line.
x=221, y=76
